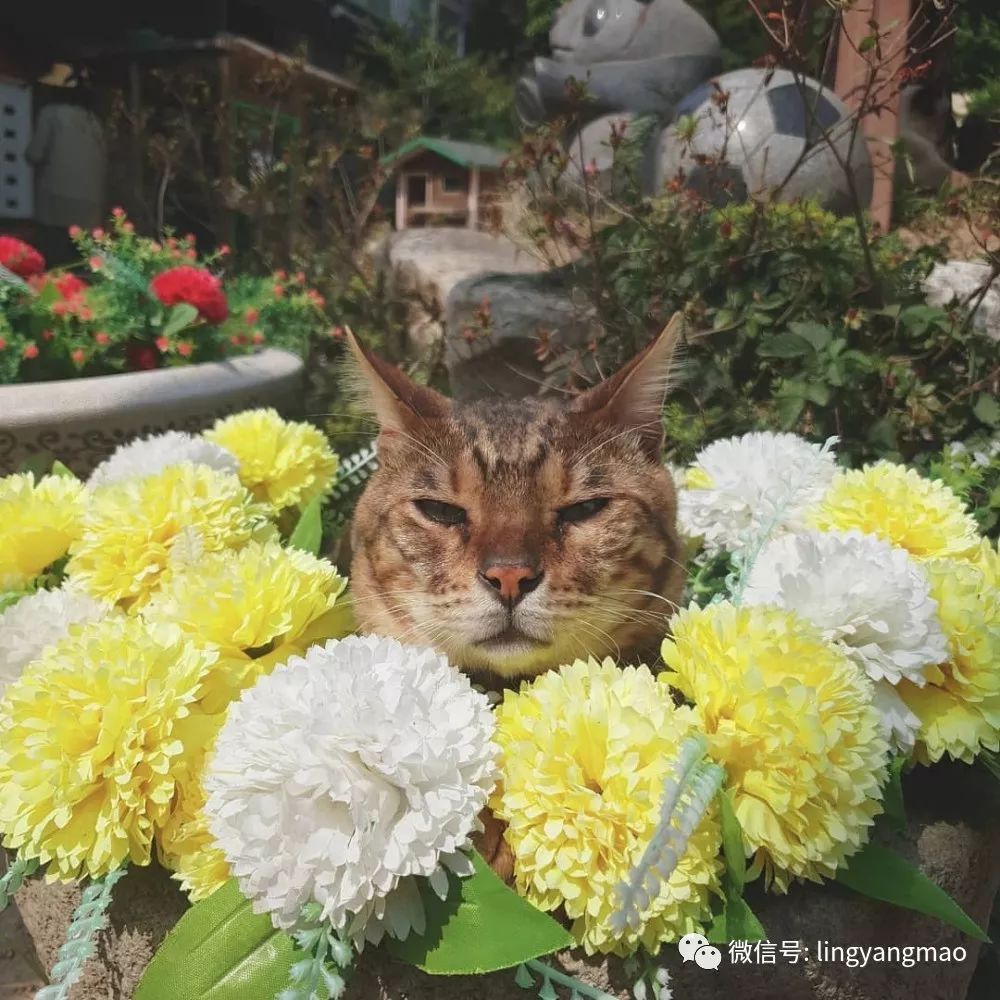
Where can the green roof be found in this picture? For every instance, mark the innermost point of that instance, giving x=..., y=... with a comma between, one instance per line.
x=463, y=154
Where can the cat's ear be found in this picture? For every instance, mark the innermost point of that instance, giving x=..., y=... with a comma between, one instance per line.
x=398, y=403
x=633, y=397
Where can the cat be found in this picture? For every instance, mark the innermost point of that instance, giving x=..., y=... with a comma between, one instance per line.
x=515, y=535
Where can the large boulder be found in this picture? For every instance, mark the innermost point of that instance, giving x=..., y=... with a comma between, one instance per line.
x=422, y=266
x=497, y=324
x=963, y=281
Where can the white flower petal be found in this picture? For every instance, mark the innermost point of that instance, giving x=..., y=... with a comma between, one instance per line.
x=899, y=725
x=344, y=775
x=149, y=455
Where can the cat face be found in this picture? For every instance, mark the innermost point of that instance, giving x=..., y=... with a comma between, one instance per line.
x=516, y=535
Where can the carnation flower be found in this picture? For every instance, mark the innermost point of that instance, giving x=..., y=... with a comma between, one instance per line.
x=961, y=715
x=586, y=755
x=20, y=257
x=185, y=843
x=741, y=486
x=257, y=605
x=194, y=286
x=283, y=463
x=791, y=719
x=130, y=528
x=149, y=455
x=343, y=774
x=40, y=620
x=38, y=522
x=893, y=502
x=88, y=745
x=867, y=597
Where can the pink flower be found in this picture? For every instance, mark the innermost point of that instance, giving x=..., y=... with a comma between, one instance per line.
x=97, y=233
x=184, y=349
x=102, y=338
x=79, y=356
x=31, y=351
x=162, y=344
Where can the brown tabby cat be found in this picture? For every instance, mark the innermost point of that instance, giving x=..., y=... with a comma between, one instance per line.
x=516, y=535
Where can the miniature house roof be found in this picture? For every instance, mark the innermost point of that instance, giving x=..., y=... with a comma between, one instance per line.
x=462, y=154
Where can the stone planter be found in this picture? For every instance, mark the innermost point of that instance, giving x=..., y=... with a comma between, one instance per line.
x=81, y=421
x=953, y=835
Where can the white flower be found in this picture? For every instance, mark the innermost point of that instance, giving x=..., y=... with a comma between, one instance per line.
x=866, y=596
x=39, y=620
x=343, y=774
x=744, y=486
x=147, y=456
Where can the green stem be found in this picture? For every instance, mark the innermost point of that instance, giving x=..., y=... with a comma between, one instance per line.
x=561, y=979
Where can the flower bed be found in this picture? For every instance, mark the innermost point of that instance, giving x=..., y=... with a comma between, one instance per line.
x=135, y=304
x=182, y=683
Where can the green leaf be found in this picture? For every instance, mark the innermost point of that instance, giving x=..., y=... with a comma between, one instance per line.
x=735, y=922
x=987, y=409
x=481, y=927
x=308, y=533
x=180, y=318
x=219, y=950
x=58, y=469
x=789, y=409
x=784, y=345
x=882, y=874
x=815, y=333
x=867, y=43
x=892, y=794
x=733, y=851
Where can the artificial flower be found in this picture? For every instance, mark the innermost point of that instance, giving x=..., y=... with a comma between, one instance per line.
x=343, y=774
x=193, y=286
x=865, y=596
x=791, y=719
x=741, y=486
x=20, y=257
x=39, y=519
x=258, y=605
x=283, y=463
x=40, y=620
x=587, y=752
x=88, y=745
x=185, y=843
x=961, y=715
x=893, y=502
x=130, y=528
x=149, y=455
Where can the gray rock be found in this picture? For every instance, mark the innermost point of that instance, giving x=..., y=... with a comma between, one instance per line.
x=422, y=266
x=500, y=357
x=962, y=281
x=613, y=173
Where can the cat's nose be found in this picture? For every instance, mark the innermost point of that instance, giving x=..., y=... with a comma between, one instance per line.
x=511, y=581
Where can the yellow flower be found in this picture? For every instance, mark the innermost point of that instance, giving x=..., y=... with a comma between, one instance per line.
x=258, y=606
x=893, y=502
x=130, y=529
x=586, y=752
x=283, y=463
x=959, y=710
x=38, y=521
x=89, y=745
x=186, y=845
x=791, y=720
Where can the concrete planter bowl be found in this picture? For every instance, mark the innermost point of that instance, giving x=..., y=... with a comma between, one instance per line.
x=953, y=836
x=82, y=421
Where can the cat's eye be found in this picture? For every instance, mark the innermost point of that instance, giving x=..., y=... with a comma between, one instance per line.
x=441, y=512
x=583, y=511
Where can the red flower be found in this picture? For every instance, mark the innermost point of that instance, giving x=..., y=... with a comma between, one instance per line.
x=75, y=232
x=97, y=233
x=190, y=238
x=195, y=286
x=31, y=351
x=224, y=250
x=251, y=316
x=278, y=291
x=258, y=337
x=69, y=285
x=102, y=338
x=141, y=357
x=118, y=212
x=48, y=335
x=184, y=349
x=127, y=227
x=191, y=253
x=20, y=257
x=237, y=339
x=3, y=344
x=162, y=344
x=79, y=355
x=95, y=263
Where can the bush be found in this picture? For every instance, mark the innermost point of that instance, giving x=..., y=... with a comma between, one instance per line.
x=794, y=323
